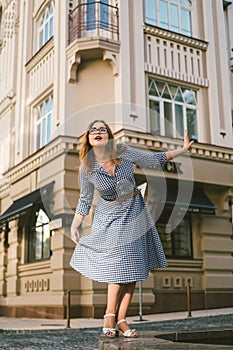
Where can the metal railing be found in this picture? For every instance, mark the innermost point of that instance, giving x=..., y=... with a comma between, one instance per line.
x=94, y=19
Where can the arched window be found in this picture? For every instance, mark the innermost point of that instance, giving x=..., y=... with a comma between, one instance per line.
x=174, y=15
x=46, y=25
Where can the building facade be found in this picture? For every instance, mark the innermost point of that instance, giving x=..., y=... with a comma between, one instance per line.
x=151, y=69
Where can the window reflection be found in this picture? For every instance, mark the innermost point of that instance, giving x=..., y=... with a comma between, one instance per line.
x=174, y=15
x=177, y=242
x=39, y=237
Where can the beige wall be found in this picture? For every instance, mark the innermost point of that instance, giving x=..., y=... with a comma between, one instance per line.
x=98, y=78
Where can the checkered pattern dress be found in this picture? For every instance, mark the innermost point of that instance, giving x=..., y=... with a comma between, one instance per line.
x=123, y=245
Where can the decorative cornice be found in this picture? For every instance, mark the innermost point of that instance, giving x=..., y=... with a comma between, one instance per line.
x=179, y=38
x=170, y=74
x=162, y=143
x=4, y=188
x=40, y=55
x=6, y=105
x=66, y=144
x=56, y=147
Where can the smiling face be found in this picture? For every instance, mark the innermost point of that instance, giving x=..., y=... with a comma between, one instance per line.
x=98, y=135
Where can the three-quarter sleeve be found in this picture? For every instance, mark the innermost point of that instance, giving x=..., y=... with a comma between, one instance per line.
x=143, y=159
x=86, y=194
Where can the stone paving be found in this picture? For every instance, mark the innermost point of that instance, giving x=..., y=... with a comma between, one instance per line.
x=91, y=339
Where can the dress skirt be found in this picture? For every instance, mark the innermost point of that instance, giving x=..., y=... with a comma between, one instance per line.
x=123, y=245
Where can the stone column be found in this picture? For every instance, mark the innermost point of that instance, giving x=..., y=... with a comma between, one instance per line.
x=13, y=255
x=63, y=276
x=3, y=263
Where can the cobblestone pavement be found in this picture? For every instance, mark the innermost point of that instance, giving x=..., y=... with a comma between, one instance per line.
x=87, y=338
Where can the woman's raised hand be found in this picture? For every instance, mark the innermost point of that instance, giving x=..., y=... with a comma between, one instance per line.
x=187, y=144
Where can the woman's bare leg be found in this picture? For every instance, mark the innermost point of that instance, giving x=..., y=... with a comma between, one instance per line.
x=126, y=297
x=112, y=301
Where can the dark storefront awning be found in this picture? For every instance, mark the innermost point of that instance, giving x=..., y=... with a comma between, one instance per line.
x=21, y=205
x=198, y=203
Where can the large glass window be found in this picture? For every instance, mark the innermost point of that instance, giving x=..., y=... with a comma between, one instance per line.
x=173, y=109
x=174, y=15
x=97, y=14
x=39, y=237
x=104, y=14
x=175, y=236
x=46, y=25
x=43, y=122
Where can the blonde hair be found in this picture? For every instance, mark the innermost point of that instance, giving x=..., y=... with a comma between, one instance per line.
x=87, y=156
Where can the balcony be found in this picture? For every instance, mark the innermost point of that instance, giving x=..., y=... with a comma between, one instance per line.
x=93, y=34
x=94, y=19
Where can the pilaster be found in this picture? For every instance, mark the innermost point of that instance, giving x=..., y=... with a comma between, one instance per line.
x=63, y=277
x=13, y=285
x=3, y=263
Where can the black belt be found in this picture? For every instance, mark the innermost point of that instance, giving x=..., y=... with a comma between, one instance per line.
x=124, y=197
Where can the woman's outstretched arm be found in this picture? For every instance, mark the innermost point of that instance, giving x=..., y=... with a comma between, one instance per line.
x=175, y=153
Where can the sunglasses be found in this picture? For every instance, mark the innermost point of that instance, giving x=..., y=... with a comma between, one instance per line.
x=95, y=131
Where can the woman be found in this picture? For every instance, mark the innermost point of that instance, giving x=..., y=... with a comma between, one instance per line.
x=123, y=245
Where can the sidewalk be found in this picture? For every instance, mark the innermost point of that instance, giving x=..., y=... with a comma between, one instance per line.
x=8, y=323
x=167, y=331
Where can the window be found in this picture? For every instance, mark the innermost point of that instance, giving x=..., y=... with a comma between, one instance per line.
x=45, y=29
x=174, y=15
x=104, y=20
x=173, y=109
x=91, y=15
x=43, y=122
x=177, y=242
x=39, y=237
x=97, y=14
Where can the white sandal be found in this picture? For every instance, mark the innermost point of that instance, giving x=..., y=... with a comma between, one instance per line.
x=109, y=332
x=128, y=333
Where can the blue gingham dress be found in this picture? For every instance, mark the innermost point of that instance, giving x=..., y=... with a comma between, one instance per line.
x=123, y=244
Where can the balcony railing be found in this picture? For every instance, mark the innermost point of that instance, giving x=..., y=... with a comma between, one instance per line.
x=94, y=19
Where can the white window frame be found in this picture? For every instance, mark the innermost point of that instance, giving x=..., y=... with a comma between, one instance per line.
x=156, y=19
x=42, y=115
x=162, y=100
x=46, y=25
